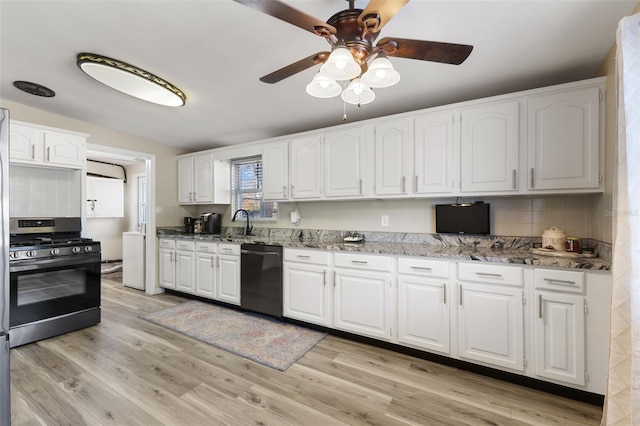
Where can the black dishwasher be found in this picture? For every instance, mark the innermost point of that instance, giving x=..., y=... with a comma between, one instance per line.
x=261, y=279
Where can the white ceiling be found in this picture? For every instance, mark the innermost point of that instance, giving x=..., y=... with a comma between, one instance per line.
x=216, y=51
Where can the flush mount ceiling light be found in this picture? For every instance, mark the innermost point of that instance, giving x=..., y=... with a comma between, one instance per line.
x=131, y=80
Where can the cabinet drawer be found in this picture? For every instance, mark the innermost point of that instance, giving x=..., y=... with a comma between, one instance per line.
x=229, y=249
x=164, y=243
x=307, y=256
x=185, y=245
x=494, y=274
x=206, y=247
x=426, y=267
x=551, y=279
x=363, y=261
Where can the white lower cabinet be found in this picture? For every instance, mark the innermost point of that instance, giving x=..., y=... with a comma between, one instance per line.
x=491, y=315
x=185, y=266
x=423, y=304
x=364, y=295
x=206, y=268
x=167, y=265
x=308, y=290
x=228, y=277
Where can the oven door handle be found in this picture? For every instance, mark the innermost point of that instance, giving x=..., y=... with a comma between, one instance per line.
x=55, y=262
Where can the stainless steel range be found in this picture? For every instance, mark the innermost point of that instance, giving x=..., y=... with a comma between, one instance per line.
x=54, y=279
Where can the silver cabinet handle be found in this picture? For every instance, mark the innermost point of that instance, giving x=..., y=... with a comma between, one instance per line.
x=404, y=184
x=48, y=153
x=293, y=191
x=460, y=295
x=360, y=186
x=204, y=248
x=444, y=293
x=217, y=262
x=421, y=268
x=284, y=190
x=415, y=186
x=487, y=274
x=33, y=151
x=212, y=264
x=539, y=306
x=515, y=174
x=302, y=256
x=552, y=280
x=171, y=257
x=532, y=178
x=359, y=262
x=324, y=277
x=227, y=249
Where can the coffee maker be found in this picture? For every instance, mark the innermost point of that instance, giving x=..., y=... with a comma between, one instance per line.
x=189, y=223
x=211, y=223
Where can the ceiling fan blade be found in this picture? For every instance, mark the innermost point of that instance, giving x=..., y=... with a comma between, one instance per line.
x=448, y=53
x=291, y=15
x=294, y=68
x=384, y=9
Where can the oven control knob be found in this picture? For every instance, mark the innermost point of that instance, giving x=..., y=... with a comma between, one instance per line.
x=30, y=253
x=88, y=249
x=55, y=251
x=75, y=249
x=14, y=254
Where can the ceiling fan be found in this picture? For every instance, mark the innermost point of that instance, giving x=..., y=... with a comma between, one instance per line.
x=356, y=30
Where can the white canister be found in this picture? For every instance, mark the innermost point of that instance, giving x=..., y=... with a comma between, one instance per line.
x=554, y=238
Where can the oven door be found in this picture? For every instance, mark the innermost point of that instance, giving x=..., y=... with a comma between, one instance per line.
x=47, y=288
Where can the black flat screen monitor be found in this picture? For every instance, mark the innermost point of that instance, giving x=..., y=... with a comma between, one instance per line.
x=462, y=219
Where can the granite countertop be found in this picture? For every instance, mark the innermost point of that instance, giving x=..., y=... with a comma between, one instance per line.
x=516, y=256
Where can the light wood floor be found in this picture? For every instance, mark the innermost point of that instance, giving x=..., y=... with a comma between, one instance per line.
x=126, y=371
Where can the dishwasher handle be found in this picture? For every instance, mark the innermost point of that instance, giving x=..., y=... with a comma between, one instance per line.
x=259, y=253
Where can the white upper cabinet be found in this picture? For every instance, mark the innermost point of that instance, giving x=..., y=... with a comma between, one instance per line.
x=202, y=180
x=305, y=167
x=489, y=147
x=45, y=147
x=433, y=158
x=275, y=171
x=393, y=158
x=564, y=140
x=344, y=162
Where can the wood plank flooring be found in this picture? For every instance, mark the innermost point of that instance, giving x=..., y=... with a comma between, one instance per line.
x=126, y=371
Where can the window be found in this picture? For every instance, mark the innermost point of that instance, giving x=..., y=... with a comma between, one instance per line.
x=246, y=189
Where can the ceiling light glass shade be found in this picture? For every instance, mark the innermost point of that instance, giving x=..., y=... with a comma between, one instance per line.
x=358, y=93
x=340, y=65
x=323, y=87
x=381, y=73
x=131, y=80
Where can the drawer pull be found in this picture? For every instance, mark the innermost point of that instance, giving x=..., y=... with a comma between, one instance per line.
x=444, y=293
x=359, y=262
x=488, y=274
x=302, y=256
x=553, y=280
x=539, y=306
x=421, y=268
x=460, y=296
x=227, y=249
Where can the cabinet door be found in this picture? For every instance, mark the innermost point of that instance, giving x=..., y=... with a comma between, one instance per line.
x=275, y=171
x=433, y=159
x=423, y=313
x=26, y=144
x=393, y=152
x=490, y=325
x=228, y=288
x=306, y=293
x=361, y=303
x=489, y=148
x=206, y=275
x=185, y=180
x=344, y=152
x=564, y=140
x=559, y=337
x=305, y=169
x=185, y=271
x=106, y=197
x=62, y=149
x=203, y=178
x=167, y=272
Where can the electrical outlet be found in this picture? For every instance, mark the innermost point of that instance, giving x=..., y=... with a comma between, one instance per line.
x=384, y=220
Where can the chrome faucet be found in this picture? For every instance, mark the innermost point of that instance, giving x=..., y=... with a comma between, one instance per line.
x=246, y=213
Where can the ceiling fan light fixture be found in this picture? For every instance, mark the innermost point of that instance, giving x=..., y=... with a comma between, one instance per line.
x=340, y=65
x=131, y=80
x=323, y=87
x=381, y=73
x=358, y=93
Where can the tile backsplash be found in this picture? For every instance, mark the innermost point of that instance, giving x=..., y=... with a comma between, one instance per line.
x=44, y=192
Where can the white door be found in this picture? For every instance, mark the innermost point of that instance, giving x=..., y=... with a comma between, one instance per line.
x=393, y=152
x=344, y=152
x=275, y=171
x=433, y=159
x=228, y=282
x=167, y=271
x=559, y=337
x=306, y=293
x=185, y=180
x=203, y=178
x=64, y=150
x=107, y=196
x=564, y=140
x=489, y=147
x=206, y=275
x=185, y=271
x=305, y=170
x=423, y=313
x=490, y=325
x=27, y=144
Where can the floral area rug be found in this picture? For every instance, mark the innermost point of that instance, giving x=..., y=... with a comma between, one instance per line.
x=259, y=338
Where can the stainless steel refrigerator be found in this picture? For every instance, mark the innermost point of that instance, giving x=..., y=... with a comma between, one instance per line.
x=5, y=384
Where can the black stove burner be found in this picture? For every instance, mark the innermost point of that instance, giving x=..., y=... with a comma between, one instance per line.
x=48, y=241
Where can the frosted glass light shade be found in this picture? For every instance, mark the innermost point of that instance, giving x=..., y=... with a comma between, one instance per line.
x=340, y=65
x=323, y=87
x=358, y=93
x=381, y=73
x=131, y=80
